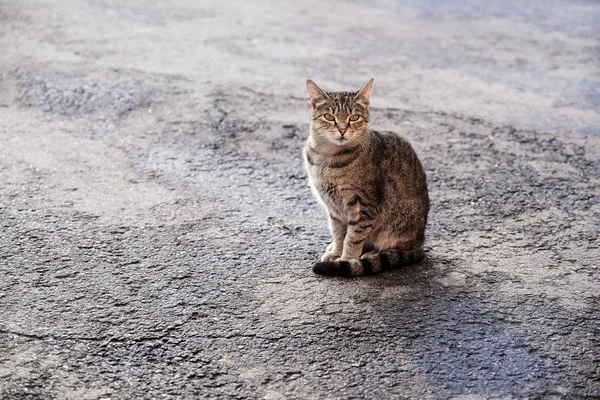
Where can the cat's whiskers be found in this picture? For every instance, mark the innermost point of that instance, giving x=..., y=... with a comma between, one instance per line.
x=364, y=143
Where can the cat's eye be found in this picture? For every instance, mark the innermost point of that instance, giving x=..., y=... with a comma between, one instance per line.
x=329, y=117
x=354, y=117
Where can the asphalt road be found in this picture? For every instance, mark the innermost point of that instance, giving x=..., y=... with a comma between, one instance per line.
x=157, y=231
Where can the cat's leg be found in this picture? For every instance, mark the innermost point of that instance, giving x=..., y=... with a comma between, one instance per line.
x=338, y=233
x=356, y=236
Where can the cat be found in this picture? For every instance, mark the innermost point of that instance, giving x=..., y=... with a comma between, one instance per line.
x=371, y=184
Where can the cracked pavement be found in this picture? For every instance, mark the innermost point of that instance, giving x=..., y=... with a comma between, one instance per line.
x=158, y=231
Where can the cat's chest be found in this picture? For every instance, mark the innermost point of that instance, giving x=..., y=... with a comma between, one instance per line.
x=335, y=179
x=333, y=189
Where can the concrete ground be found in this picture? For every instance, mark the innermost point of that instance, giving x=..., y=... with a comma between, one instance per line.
x=157, y=231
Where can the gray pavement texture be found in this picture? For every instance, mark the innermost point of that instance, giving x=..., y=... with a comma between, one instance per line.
x=157, y=231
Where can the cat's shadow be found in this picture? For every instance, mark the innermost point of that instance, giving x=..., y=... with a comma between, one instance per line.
x=423, y=274
x=439, y=312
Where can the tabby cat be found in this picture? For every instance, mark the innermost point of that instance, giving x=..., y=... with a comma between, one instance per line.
x=371, y=183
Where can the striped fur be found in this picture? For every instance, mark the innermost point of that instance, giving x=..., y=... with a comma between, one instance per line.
x=371, y=263
x=371, y=183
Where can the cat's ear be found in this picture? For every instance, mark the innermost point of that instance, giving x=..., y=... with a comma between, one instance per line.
x=315, y=93
x=364, y=95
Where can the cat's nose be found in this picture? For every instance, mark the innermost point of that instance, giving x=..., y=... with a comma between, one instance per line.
x=342, y=131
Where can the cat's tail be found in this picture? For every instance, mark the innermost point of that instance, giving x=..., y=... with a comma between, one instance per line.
x=370, y=263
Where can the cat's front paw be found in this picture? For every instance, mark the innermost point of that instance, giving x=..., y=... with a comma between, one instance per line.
x=330, y=256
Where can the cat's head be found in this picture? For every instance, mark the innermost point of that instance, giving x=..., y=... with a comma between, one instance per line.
x=339, y=117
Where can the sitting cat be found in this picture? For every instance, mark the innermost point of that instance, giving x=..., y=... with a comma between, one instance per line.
x=371, y=183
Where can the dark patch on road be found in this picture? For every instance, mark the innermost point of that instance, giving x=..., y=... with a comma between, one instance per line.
x=64, y=96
